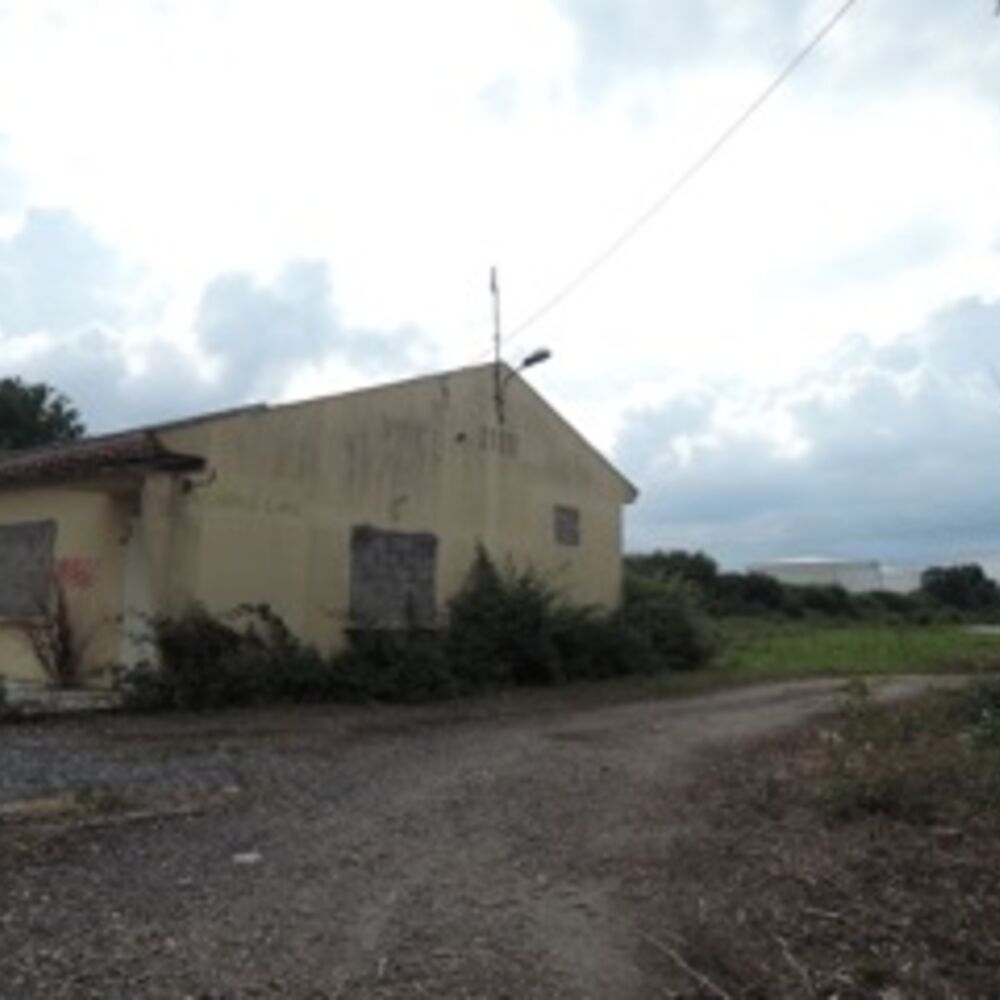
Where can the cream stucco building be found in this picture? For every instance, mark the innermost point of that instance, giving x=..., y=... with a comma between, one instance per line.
x=366, y=506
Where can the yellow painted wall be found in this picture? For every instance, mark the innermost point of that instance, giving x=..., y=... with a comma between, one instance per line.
x=91, y=537
x=271, y=519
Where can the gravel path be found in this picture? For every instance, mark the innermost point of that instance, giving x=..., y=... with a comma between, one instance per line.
x=464, y=851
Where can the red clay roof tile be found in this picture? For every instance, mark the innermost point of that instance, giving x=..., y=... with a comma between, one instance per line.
x=90, y=457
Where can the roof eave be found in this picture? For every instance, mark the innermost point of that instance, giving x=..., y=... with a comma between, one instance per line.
x=110, y=474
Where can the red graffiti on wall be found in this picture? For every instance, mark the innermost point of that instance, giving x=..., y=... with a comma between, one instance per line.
x=76, y=572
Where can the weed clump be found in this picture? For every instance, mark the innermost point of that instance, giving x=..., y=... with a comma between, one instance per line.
x=916, y=763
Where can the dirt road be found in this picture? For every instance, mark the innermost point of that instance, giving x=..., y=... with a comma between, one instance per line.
x=467, y=851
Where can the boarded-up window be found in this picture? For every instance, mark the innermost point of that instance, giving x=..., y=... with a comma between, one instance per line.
x=567, y=525
x=392, y=577
x=26, y=556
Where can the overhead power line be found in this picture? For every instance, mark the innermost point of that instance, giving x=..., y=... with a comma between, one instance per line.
x=629, y=233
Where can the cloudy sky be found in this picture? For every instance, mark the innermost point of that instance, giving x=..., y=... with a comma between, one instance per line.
x=204, y=202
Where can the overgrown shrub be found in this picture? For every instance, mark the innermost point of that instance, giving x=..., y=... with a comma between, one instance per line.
x=506, y=627
x=511, y=627
x=600, y=646
x=403, y=665
x=248, y=657
x=666, y=616
x=501, y=627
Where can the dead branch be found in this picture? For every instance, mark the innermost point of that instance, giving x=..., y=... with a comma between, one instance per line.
x=53, y=640
x=799, y=968
x=699, y=977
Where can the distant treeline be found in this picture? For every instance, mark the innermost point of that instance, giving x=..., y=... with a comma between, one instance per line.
x=954, y=593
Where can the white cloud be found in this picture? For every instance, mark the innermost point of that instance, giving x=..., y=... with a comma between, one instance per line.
x=252, y=342
x=194, y=148
x=200, y=138
x=896, y=45
x=56, y=276
x=892, y=454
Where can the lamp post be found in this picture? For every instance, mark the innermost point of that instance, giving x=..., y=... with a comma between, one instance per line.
x=536, y=357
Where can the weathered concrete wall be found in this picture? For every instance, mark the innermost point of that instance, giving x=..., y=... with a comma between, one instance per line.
x=372, y=502
x=548, y=467
x=273, y=518
x=90, y=538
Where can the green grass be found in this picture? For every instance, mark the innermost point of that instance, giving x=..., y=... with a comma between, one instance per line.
x=756, y=650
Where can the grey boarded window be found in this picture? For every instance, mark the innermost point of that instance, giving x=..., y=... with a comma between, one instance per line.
x=566, y=522
x=26, y=564
x=392, y=577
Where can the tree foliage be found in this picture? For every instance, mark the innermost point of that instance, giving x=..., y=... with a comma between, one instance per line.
x=33, y=414
x=728, y=594
x=966, y=588
x=693, y=567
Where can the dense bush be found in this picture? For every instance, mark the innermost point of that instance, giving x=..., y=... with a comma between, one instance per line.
x=501, y=628
x=510, y=627
x=824, y=599
x=695, y=568
x=965, y=588
x=889, y=603
x=404, y=665
x=947, y=594
x=248, y=657
x=506, y=627
x=667, y=616
x=719, y=593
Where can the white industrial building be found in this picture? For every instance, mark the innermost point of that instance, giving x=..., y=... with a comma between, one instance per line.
x=856, y=576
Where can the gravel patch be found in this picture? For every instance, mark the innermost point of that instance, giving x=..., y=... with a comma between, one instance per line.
x=471, y=850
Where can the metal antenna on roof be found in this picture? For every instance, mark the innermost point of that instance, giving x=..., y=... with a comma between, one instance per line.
x=500, y=380
x=497, y=387
x=495, y=293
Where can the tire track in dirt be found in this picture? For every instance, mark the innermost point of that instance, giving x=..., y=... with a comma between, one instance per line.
x=401, y=853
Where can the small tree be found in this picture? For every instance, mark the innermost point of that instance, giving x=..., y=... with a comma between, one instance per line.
x=33, y=414
x=966, y=588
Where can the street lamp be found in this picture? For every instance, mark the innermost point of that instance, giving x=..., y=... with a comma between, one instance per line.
x=536, y=357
